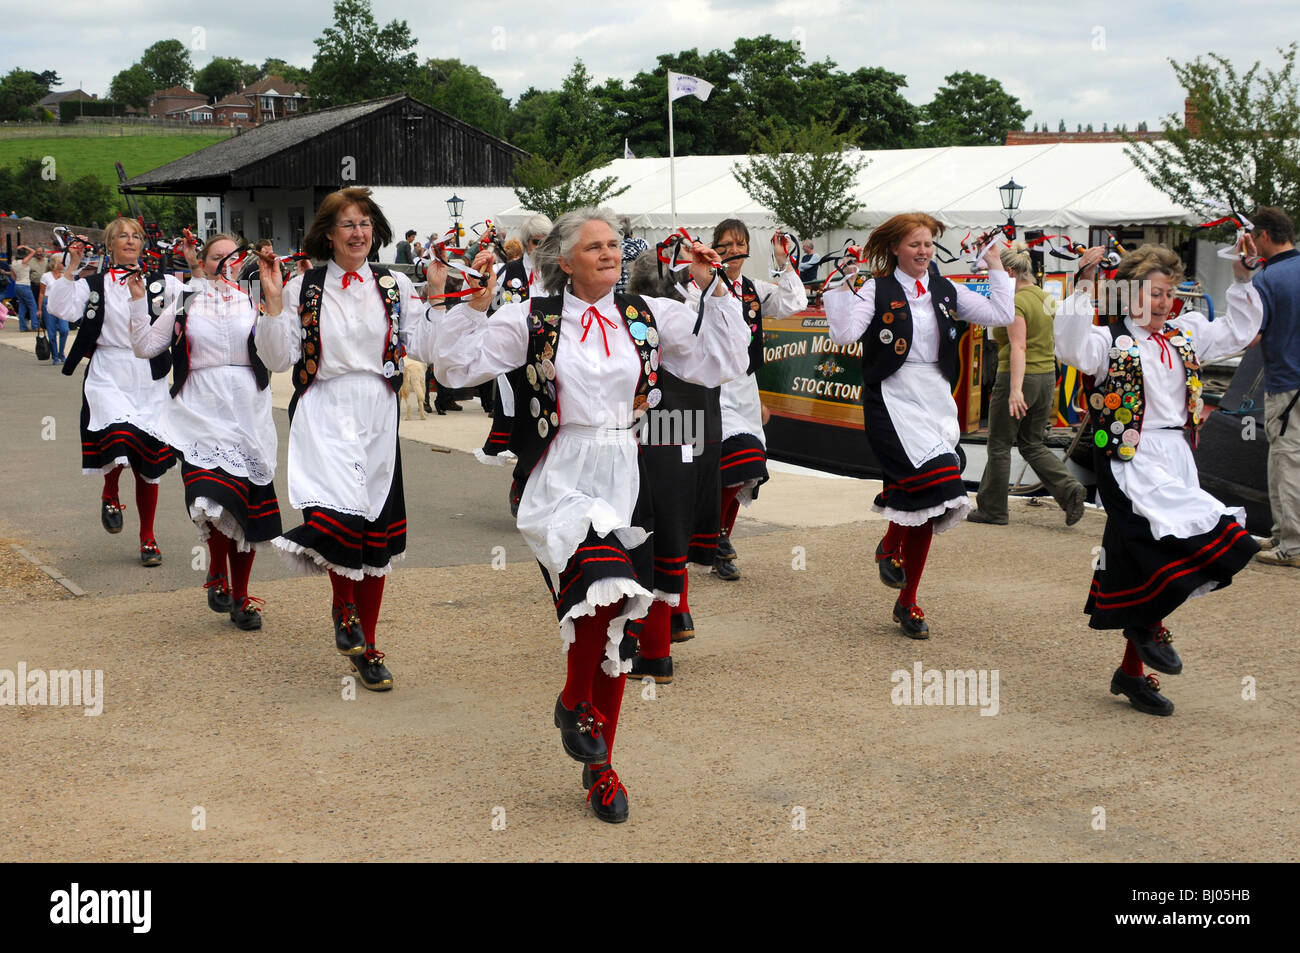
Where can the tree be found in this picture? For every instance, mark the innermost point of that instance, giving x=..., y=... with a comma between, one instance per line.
x=133, y=87
x=874, y=108
x=575, y=123
x=78, y=202
x=222, y=76
x=805, y=177
x=553, y=188
x=20, y=91
x=971, y=110
x=462, y=91
x=286, y=71
x=524, y=125
x=1061, y=126
x=1243, y=147
x=638, y=111
x=168, y=63
x=357, y=60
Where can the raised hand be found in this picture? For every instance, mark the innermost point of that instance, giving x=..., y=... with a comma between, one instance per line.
x=481, y=300
x=704, y=261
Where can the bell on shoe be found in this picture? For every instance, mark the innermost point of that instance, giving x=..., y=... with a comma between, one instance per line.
x=248, y=616
x=110, y=514
x=605, y=793
x=372, y=671
x=219, y=597
x=348, y=637
x=1143, y=691
x=912, y=619
x=1155, y=648
x=660, y=669
x=890, y=566
x=580, y=732
x=150, y=554
x=682, y=627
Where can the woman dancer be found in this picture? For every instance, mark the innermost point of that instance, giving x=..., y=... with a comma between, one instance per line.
x=744, y=447
x=338, y=326
x=591, y=360
x=219, y=420
x=1023, y=398
x=1166, y=540
x=906, y=319
x=122, y=395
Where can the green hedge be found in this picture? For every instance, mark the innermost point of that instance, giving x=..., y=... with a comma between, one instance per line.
x=70, y=109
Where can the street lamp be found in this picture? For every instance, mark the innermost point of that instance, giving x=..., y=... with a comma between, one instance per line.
x=455, y=206
x=1010, y=203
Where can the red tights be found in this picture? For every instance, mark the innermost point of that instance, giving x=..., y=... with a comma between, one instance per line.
x=586, y=681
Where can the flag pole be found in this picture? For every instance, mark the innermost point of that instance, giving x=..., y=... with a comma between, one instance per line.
x=672, y=156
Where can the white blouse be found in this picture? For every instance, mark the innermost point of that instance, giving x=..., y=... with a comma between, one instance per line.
x=1086, y=346
x=471, y=348
x=848, y=317
x=68, y=300
x=218, y=321
x=353, y=324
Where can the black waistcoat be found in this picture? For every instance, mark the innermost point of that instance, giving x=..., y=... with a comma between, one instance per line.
x=309, y=308
x=752, y=309
x=537, y=415
x=888, y=338
x=181, y=349
x=92, y=323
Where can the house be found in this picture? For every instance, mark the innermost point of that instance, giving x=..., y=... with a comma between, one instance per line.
x=167, y=103
x=275, y=98
x=268, y=181
x=234, y=110
x=50, y=102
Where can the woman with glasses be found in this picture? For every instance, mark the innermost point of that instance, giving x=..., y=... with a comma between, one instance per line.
x=122, y=395
x=219, y=419
x=339, y=328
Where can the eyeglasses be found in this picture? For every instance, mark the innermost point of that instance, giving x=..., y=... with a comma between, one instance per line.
x=355, y=226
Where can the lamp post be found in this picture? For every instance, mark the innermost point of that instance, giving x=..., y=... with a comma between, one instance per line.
x=455, y=206
x=1010, y=203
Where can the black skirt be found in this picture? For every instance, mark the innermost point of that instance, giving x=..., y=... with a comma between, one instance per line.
x=743, y=459
x=102, y=450
x=687, y=500
x=1139, y=580
x=906, y=488
x=352, y=545
x=250, y=511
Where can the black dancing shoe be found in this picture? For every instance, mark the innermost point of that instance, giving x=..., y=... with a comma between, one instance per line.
x=1155, y=647
x=427, y=408
x=150, y=554
x=1143, y=691
x=660, y=669
x=248, y=616
x=110, y=514
x=219, y=598
x=580, y=732
x=725, y=549
x=725, y=569
x=683, y=627
x=890, y=566
x=912, y=619
x=610, y=801
x=348, y=637
x=371, y=670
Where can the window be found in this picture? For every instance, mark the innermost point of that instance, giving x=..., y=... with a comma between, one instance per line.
x=290, y=105
x=237, y=223
x=209, y=225
x=297, y=229
x=264, y=229
x=240, y=115
x=268, y=104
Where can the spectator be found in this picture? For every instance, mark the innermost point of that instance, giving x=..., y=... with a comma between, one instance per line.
x=56, y=329
x=808, y=263
x=404, y=249
x=22, y=279
x=1279, y=289
x=632, y=246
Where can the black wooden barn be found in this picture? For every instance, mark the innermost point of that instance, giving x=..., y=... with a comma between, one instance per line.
x=268, y=181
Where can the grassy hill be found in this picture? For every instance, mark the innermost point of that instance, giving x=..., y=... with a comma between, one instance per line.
x=75, y=157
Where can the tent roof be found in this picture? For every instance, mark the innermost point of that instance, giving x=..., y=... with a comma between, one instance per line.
x=1066, y=184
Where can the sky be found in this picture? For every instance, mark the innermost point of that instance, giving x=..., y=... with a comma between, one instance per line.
x=1100, y=62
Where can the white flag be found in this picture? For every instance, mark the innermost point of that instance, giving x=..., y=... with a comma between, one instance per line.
x=679, y=85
